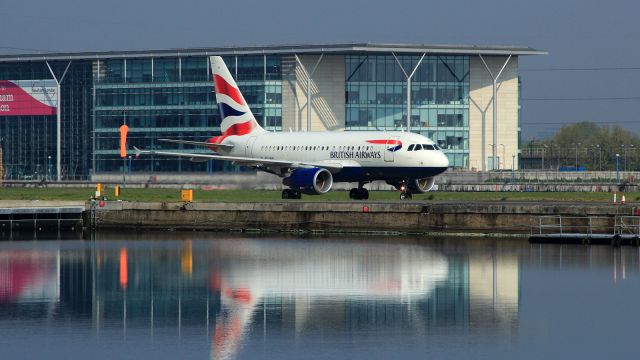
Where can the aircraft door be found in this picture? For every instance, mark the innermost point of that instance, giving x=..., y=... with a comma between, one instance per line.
x=248, y=150
x=389, y=148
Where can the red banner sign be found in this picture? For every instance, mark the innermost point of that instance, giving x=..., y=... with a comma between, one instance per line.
x=28, y=97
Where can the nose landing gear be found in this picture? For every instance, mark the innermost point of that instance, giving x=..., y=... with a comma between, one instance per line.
x=405, y=194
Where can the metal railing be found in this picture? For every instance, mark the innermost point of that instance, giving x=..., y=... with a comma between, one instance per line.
x=627, y=225
x=564, y=225
x=37, y=219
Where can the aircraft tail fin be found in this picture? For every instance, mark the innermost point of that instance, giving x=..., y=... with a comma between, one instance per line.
x=237, y=118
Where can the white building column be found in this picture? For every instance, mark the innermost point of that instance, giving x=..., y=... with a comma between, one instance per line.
x=495, y=78
x=408, y=77
x=309, y=75
x=58, y=119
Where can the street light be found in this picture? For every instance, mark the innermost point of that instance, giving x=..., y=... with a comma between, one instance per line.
x=599, y=157
x=493, y=160
x=624, y=154
x=544, y=148
x=618, y=168
x=503, y=151
x=49, y=167
x=577, y=144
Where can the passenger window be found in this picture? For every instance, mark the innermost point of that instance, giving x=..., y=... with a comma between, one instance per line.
x=411, y=147
x=418, y=147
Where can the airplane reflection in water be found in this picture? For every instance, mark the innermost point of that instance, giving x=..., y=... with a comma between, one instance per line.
x=242, y=289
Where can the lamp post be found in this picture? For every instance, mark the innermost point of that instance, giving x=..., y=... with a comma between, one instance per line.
x=493, y=159
x=577, y=144
x=49, y=167
x=624, y=156
x=503, y=155
x=599, y=157
x=544, y=148
x=513, y=168
x=617, y=168
x=633, y=156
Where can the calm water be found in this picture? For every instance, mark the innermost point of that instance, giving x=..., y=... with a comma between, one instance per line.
x=202, y=296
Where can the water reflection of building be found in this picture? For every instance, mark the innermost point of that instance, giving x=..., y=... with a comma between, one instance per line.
x=29, y=276
x=230, y=291
x=494, y=289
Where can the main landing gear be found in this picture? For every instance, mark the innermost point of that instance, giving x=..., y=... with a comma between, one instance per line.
x=359, y=193
x=291, y=194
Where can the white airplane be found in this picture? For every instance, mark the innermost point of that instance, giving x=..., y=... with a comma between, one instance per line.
x=310, y=162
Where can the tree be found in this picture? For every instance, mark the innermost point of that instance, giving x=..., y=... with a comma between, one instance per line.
x=590, y=145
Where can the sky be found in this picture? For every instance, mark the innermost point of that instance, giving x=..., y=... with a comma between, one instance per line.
x=578, y=34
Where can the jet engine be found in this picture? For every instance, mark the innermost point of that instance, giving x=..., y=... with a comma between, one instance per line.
x=313, y=181
x=422, y=185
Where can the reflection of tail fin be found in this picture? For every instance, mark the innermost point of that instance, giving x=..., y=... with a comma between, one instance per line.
x=238, y=306
x=237, y=118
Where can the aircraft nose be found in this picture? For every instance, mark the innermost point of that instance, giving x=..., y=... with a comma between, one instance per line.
x=443, y=160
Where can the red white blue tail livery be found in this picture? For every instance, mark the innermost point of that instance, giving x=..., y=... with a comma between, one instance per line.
x=237, y=118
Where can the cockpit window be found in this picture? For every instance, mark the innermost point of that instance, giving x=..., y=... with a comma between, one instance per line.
x=410, y=147
x=427, y=147
x=418, y=147
x=436, y=146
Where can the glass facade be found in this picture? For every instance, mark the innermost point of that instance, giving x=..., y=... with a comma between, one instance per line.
x=29, y=142
x=376, y=98
x=174, y=98
x=164, y=96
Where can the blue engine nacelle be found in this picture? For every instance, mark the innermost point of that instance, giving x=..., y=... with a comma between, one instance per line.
x=313, y=181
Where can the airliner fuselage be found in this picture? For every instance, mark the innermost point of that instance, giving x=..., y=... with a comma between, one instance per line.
x=363, y=155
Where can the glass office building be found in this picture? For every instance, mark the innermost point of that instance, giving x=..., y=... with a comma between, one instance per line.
x=174, y=98
x=376, y=91
x=169, y=94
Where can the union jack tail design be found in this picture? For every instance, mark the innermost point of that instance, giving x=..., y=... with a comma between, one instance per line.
x=237, y=118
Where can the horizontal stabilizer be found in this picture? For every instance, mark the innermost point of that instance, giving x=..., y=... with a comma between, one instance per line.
x=198, y=143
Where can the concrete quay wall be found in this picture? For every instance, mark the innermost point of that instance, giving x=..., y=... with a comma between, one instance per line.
x=414, y=217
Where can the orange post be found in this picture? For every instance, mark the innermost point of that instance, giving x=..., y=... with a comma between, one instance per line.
x=623, y=200
x=124, y=130
x=615, y=195
x=124, y=269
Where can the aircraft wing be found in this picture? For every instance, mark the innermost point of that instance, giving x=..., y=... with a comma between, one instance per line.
x=198, y=143
x=247, y=161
